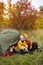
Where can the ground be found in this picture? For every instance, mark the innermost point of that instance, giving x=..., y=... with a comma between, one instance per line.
x=27, y=59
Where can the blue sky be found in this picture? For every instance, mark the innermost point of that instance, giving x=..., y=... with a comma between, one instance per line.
x=35, y=3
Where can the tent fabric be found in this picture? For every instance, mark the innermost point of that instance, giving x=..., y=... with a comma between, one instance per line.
x=8, y=38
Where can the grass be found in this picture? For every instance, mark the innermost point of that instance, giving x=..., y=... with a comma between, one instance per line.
x=27, y=59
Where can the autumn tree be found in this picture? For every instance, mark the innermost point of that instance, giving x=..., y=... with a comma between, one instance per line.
x=26, y=14
x=39, y=20
x=41, y=10
x=22, y=14
x=11, y=13
x=1, y=12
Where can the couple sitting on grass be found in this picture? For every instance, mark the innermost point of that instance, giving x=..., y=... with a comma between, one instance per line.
x=24, y=44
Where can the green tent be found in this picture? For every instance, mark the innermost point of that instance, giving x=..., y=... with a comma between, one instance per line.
x=7, y=39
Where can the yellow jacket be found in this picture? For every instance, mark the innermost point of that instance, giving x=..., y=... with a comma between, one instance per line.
x=21, y=45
